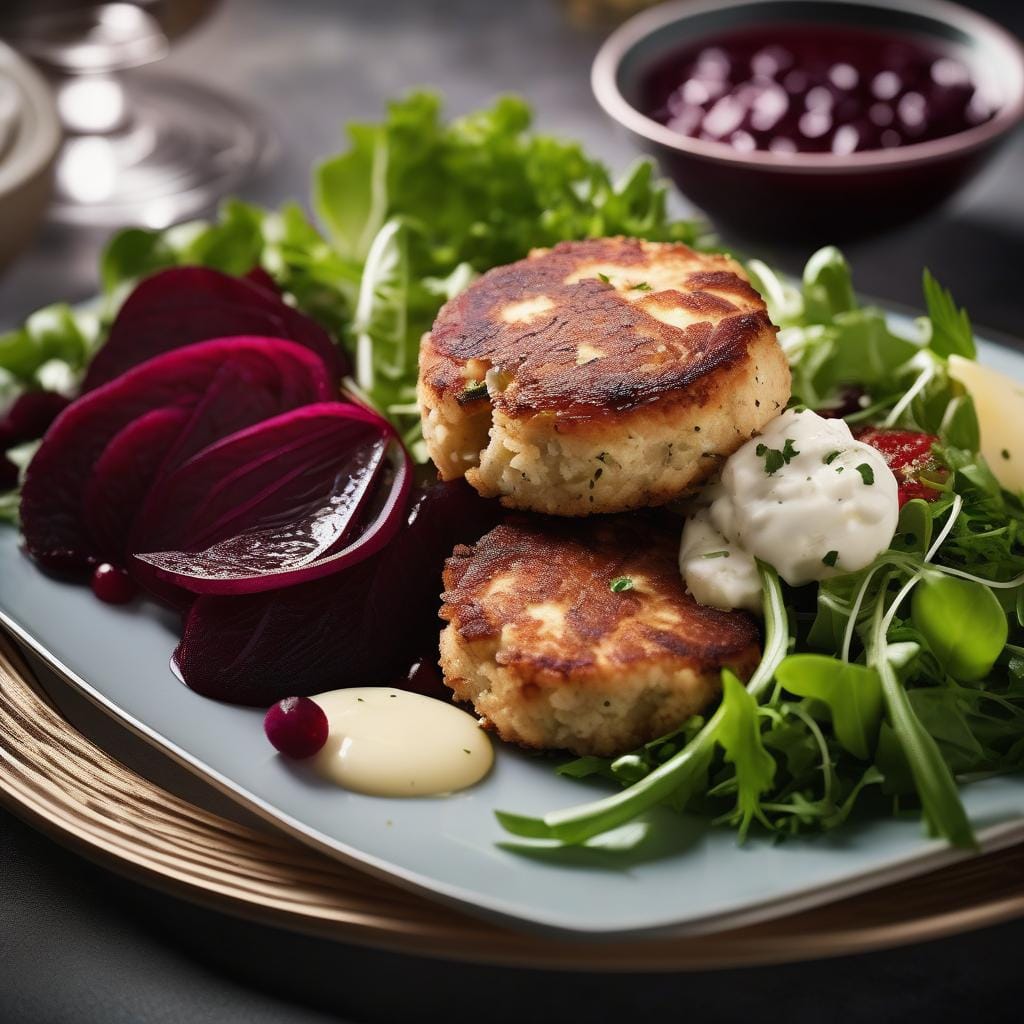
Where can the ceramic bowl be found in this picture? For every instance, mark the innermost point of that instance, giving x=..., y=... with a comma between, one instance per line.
x=814, y=197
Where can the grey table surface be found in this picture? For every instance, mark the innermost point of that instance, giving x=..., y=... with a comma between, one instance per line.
x=78, y=944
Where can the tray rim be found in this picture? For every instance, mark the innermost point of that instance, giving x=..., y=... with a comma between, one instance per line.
x=464, y=937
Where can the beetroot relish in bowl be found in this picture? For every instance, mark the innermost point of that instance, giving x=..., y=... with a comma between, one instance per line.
x=824, y=88
x=819, y=184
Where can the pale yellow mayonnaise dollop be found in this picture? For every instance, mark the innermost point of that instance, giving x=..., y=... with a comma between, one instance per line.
x=804, y=496
x=386, y=742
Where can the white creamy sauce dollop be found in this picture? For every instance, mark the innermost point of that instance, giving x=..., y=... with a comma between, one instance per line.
x=717, y=572
x=804, y=496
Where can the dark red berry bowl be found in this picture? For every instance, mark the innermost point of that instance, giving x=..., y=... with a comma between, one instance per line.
x=820, y=187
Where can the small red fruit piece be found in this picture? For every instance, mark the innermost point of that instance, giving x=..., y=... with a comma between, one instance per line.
x=113, y=585
x=296, y=726
x=909, y=455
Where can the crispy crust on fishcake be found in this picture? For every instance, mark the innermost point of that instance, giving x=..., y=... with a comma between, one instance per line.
x=619, y=374
x=552, y=658
x=600, y=347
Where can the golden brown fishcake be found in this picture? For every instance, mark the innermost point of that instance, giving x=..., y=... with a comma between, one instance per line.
x=553, y=658
x=599, y=376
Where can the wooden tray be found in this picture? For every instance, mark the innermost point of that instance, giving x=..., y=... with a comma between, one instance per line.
x=57, y=779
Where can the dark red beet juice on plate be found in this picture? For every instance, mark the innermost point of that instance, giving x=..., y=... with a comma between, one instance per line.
x=815, y=89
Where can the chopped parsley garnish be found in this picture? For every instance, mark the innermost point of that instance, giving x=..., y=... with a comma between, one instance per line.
x=604, y=277
x=832, y=456
x=640, y=286
x=715, y=554
x=619, y=584
x=830, y=559
x=474, y=389
x=466, y=750
x=867, y=474
x=774, y=459
x=1006, y=454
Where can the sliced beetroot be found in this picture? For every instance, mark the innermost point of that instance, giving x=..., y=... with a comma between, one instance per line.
x=123, y=475
x=294, y=498
x=260, y=277
x=364, y=626
x=271, y=376
x=8, y=474
x=182, y=305
x=30, y=416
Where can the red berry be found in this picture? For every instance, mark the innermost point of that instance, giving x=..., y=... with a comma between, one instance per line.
x=296, y=726
x=113, y=585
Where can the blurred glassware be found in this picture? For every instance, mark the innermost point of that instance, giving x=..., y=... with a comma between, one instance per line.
x=140, y=148
x=29, y=139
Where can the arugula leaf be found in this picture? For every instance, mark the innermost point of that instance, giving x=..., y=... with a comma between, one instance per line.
x=933, y=780
x=739, y=733
x=943, y=714
x=950, y=327
x=852, y=692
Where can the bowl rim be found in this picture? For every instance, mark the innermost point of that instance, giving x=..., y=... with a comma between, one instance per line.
x=604, y=84
x=39, y=132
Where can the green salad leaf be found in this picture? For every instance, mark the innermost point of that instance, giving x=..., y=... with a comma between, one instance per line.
x=951, y=332
x=933, y=778
x=963, y=622
x=853, y=694
x=740, y=737
x=827, y=286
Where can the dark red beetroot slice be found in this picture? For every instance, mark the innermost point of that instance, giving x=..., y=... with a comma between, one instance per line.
x=30, y=416
x=281, y=503
x=123, y=476
x=183, y=305
x=233, y=400
x=278, y=375
x=260, y=277
x=363, y=626
x=8, y=474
